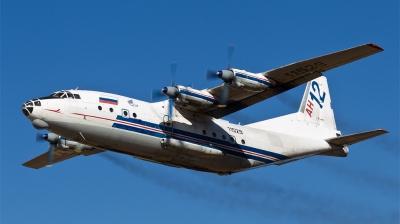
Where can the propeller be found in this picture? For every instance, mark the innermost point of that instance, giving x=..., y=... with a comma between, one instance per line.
x=211, y=74
x=231, y=48
x=172, y=92
x=50, y=154
x=156, y=94
x=53, y=140
x=226, y=75
x=40, y=137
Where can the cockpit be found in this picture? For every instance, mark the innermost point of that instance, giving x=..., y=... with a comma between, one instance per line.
x=28, y=106
x=61, y=94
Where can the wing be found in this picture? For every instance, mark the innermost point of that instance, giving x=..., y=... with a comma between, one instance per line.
x=288, y=77
x=58, y=156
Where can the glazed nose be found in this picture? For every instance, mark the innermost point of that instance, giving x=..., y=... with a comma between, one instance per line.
x=27, y=108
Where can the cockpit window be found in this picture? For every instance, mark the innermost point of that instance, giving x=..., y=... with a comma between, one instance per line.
x=61, y=94
x=37, y=103
x=58, y=94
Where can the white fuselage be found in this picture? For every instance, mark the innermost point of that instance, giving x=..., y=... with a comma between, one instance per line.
x=137, y=128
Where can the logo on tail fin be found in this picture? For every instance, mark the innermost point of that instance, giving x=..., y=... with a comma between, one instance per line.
x=319, y=101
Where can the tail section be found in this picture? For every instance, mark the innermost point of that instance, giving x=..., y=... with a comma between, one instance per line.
x=316, y=106
x=315, y=118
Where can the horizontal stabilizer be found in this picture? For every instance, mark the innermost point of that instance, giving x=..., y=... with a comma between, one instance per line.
x=58, y=156
x=354, y=138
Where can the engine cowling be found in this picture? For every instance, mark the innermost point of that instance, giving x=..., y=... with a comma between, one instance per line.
x=189, y=98
x=254, y=82
x=194, y=97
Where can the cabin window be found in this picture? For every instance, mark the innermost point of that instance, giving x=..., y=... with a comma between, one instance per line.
x=125, y=113
x=134, y=115
x=111, y=109
x=204, y=132
x=100, y=108
x=223, y=137
x=232, y=139
x=243, y=142
x=214, y=135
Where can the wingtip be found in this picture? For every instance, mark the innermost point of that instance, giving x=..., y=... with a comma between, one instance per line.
x=375, y=46
x=383, y=131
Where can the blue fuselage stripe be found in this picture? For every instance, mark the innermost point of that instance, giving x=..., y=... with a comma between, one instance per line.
x=156, y=130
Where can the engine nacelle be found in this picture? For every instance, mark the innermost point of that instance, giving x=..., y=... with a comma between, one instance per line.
x=254, y=82
x=68, y=144
x=193, y=97
x=51, y=138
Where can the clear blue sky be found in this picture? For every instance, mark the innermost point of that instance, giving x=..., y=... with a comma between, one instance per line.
x=126, y=47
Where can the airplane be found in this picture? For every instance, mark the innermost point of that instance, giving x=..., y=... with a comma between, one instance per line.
x=186, y=130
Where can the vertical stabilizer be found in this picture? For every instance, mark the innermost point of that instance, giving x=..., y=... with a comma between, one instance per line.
x=316, y=106
x=314, y=119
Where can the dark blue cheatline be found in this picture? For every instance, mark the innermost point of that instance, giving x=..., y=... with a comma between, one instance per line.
x=160, y=131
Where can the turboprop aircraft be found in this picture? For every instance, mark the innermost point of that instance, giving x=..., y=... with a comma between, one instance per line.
x=187, y=130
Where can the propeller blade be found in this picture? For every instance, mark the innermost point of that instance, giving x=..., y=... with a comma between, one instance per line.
x=211, y=74
x=50, y=155
x=40, y=137
x=224, y=95
x=156, y=94
x=174, y=66
x=231, y=48
x=171, y=102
